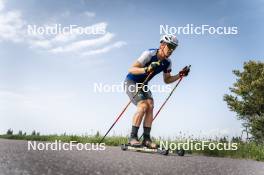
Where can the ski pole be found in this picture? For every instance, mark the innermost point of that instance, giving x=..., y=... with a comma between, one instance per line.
x=119, y=116
x=165, y=101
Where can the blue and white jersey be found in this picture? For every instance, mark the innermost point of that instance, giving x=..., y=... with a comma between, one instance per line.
x=146, y=58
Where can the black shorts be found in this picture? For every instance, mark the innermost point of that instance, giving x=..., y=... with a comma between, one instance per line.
x=131, y=91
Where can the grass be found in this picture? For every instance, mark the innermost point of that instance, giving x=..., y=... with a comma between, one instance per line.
x=250, y=150
x=111, y=141
x=244, y=151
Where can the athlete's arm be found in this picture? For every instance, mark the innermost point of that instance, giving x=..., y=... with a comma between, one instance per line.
x=136, y=68
x=168, y=78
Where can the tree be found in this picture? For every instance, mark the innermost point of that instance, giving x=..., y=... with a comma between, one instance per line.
x=9, y=132
x=247, y=98
x=97, y=134
x=20, y=133
x=33, y=133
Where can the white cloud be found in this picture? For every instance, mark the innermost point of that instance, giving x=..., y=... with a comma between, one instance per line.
x=64, y=37
x=11, y=26
x=14, y=28
x=44, y=44
x=76, y=46
x=57, y=43
x=67, y=36
x=89, y=14
x=105, y=49
x=1, y=5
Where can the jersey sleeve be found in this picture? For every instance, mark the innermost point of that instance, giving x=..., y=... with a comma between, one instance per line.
x=168, y=69
x=144, y=58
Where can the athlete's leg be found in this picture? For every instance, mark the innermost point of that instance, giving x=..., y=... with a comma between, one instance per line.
x=149, y=113
x=147, y=125
x=139, y=99
x=142, y=107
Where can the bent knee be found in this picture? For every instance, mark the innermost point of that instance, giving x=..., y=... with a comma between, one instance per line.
x=143, y=107
x=150, y=105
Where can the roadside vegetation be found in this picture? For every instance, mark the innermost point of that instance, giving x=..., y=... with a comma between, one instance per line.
x=246, y=150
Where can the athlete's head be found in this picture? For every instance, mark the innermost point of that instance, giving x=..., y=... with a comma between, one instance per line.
x=168, y=44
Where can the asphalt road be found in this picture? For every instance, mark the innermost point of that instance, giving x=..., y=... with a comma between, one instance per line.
x=16, y=159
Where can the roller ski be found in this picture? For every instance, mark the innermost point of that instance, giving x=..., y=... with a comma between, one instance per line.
x=145, y=149
x=148, y=146
x=142, y=148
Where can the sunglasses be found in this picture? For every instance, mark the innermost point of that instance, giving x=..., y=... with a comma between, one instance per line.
x=171, y=47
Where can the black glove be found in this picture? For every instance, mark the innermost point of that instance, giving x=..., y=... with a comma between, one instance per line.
x=152, y=67
x=185, y=71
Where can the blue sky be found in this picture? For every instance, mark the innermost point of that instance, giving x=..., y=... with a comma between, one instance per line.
x=52, y=92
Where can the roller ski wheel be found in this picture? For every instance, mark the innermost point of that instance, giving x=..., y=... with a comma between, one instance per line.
x=124, y=147
x=180, y=152
x=163, y=152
